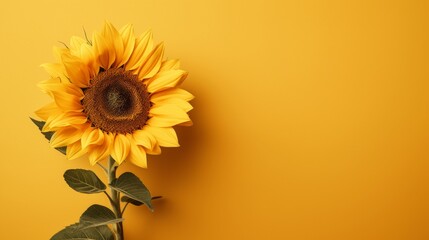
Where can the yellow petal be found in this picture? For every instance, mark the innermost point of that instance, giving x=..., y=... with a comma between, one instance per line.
x=138, y=156
x=54, y=86
x=165, y=80
x=128, y=38
x=115, y=42
x=48, y=110
x=173, y=96
x=103, y=51
x=184, y=105
x=121, y=148
x=143, y=47
x=76, y=70
x=161, y=96
x=156, y=150
x=144, y=138
x=100, y=152
x=75, y=44
x=59, y=52
x=49, y=121
x=88, y=57
x=167, y=116
x=92, y=136
x=67, y=102
x=169, y=65
x=166, y=137
x=75, y=150
x=49, y=81
x=186, y=124
x=44, y=85
x=167, y=110
x=55, y=122
x=67, y=96
x=152, y=63
x=65, y=136
x=55, y=70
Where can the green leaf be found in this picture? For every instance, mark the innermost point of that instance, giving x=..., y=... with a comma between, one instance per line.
x=97, y=215
x=92, y=225
x=130, y=185
x=40, y=125
x=48, y=135
x=135, y=202
x=130, y=200
x=84, y=181
x=62, y=150
x=74, y=233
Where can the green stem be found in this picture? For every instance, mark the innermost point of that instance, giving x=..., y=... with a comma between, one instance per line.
x=115, y=201
x=125, y=207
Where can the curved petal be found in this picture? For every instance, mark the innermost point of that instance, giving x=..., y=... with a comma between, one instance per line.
x=55, y=70
x=44, y=85
x=75, y=44
x=68, y=102
x=48, y=110
x=100, y=152
x=56, y=122
x=167, y=116
x=165, y=80
x=88, y=57
x=174, y=96
x=121, y=148
x=75, y=150
x=59, y=52
x=129, y=40
x=92, y=136
x=76, y=70
x=144, y=138
x=142, y=49
x=57, y=87
x=65, y=136
x=114, y=40
x=166, y=137
x=156, y=150
x=169, y=65
x=152, y=63
x=184, y=105
x=186, y=124
x=103, y=51
x=67, y=96
x=138, y=156
x=171, y=93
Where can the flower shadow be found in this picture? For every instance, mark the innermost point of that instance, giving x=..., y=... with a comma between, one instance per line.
x=170, y=173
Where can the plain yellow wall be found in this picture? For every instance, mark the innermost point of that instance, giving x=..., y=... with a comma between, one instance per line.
x=311, y=120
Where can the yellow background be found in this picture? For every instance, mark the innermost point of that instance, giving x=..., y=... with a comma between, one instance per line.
x=311, y=120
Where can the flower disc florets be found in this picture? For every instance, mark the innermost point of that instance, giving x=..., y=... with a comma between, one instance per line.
x=116, y=101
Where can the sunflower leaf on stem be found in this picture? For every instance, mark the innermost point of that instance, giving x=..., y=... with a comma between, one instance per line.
x=84, y=181
x=97, y=215
x=135, y=202
x=73, y=233
x=131, y=186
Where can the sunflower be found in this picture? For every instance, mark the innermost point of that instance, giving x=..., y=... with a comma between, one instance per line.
x=114, y=96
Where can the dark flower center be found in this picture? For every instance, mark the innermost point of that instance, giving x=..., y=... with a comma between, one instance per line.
x=117, y=101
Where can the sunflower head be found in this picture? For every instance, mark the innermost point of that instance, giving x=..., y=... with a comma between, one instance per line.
x=114, y=96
